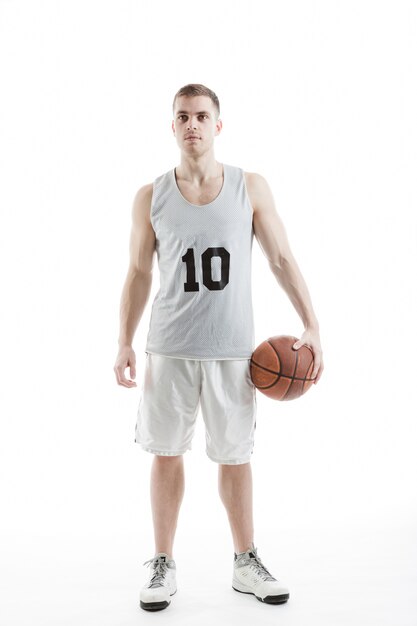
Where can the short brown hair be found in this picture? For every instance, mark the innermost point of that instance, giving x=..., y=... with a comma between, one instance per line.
x=196, y=89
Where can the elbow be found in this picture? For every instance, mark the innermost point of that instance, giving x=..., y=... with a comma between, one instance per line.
x=142, y=266
x=279, y=263
x=137, y=272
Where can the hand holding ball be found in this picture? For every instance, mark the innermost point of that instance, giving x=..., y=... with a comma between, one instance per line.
x=279, y=371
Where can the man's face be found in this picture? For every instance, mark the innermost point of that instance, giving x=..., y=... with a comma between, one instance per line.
x=195, y=123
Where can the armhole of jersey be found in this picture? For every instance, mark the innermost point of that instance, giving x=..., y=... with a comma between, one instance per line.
x=246, y=191
x=152, y=205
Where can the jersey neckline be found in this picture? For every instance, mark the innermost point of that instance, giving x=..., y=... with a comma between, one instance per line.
x=200, y=206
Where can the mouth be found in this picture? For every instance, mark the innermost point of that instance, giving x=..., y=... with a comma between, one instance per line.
x=194, y=138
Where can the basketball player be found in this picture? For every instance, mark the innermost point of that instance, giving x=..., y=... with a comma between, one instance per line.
x=199, y=218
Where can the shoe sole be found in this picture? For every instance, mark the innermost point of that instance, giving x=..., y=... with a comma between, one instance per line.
x=280, y=599
x=156, y=606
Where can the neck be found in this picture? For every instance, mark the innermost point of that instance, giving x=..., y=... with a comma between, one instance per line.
x=199, y=168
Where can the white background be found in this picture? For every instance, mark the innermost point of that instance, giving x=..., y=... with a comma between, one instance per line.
x=318, y=97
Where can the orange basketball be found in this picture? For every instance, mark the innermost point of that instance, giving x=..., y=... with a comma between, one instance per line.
x=279, y=371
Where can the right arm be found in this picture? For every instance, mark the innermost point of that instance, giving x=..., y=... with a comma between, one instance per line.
x=138, y=283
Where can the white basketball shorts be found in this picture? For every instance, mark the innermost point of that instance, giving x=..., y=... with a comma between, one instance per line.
x=171, y=392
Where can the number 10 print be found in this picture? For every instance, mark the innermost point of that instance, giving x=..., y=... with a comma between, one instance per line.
x=213, y=285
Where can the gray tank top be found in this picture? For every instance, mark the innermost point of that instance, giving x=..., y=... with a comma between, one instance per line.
x=203, y=309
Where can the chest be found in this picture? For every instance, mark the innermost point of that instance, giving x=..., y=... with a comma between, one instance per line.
x=202, y=195
x=208, y=192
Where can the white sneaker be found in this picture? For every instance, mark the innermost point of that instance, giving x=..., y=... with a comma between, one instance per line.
x=251, y=576
x=157, y=592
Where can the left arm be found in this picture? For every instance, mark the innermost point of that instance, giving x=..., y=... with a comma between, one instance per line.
x=272, y=238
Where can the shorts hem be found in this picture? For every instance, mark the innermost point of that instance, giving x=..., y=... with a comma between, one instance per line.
x=229, y=461
x=162, y=452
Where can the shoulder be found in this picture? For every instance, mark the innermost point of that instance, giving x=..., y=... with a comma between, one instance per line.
x=258, y=189
x=145, y=191
x=254, y=180
x=142, y=203
x=143, y=196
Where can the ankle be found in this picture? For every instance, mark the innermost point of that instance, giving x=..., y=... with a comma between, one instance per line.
x=167, y=552
x=248, y=548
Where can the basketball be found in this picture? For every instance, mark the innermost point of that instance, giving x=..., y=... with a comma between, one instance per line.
x=279, y=371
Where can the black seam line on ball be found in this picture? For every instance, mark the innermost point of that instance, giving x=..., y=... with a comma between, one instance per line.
x=295, y=369
x=279, y=365
x=311, y=362
x=266, y=369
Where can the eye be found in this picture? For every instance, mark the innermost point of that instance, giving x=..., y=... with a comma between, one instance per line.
x=202, y=115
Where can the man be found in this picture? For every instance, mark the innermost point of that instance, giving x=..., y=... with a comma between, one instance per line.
x=200, y=218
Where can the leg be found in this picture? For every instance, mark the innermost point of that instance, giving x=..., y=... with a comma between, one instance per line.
x=235, y=489
x=167, y=491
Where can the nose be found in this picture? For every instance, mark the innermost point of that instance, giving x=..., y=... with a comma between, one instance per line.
x=189, y=126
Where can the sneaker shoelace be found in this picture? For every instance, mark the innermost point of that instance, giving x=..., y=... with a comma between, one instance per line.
x=255, y=562
x=158, y=576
